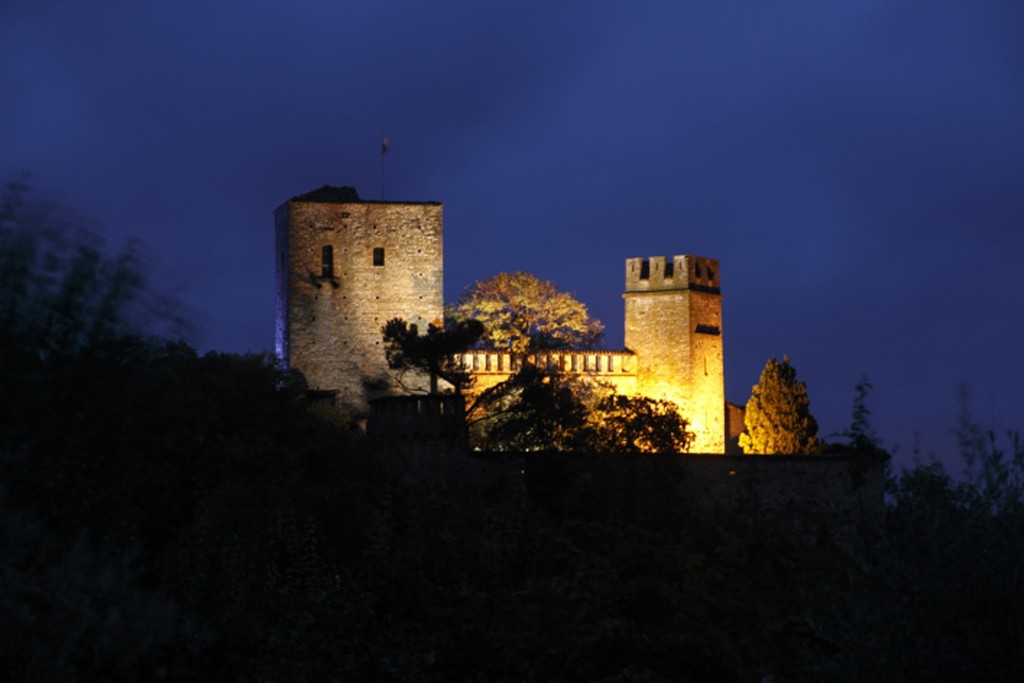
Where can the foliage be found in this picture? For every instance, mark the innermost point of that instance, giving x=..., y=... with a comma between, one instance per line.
x=638, y=424
x=251, y=540
x=171, y=516
x=434, y=352
x=860, y=431
x=778, y=417
x=59, y=291
x=994, y=467
x=532, y=410
x=537, y=409
x=522, y=313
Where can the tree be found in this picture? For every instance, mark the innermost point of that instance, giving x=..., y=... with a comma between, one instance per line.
x=537, y=409
x=533, y=410
x=61, y=291
x=778, y=417
x=638, y=424
x=434, y=352
x=522, y=313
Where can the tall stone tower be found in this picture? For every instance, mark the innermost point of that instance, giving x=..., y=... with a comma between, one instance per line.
x=344, y=268
x=674, y=326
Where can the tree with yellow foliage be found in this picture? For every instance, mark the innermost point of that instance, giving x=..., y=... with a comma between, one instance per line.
x=778, y=418
x=522, y=313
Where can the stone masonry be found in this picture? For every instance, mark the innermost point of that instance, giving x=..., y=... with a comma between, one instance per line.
x=674, y=326
x=344, y=268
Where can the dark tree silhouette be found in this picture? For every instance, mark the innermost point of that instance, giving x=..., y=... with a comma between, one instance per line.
x=434, y=352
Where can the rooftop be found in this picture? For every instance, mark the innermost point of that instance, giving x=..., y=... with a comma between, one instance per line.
x=329, y=194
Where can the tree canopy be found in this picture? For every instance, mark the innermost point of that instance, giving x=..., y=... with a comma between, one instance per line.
x=522, y=313
x=542, y=410
x=778, y=418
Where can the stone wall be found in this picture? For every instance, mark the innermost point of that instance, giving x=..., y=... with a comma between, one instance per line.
x=824, y=495
x=846, y=487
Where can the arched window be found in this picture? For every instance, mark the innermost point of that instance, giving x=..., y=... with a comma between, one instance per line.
x=327, y=256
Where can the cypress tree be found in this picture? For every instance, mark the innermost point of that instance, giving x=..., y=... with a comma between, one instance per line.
x=778, y=417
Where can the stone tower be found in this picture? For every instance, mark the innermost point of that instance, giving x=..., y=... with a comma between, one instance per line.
x=674, y=326
x=344, y=268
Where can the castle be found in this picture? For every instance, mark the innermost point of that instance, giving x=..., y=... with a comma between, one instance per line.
x=346, y=266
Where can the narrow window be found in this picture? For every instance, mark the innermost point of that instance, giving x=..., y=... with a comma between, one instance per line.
x=327, y=257
x=378, y=256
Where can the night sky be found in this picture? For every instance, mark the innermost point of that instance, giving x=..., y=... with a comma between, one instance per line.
x=857, y=166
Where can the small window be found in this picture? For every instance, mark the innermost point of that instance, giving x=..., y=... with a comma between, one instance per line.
x=327, y=258
x=378, y=256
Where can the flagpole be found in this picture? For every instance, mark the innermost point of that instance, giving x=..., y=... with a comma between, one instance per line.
x=383, y=151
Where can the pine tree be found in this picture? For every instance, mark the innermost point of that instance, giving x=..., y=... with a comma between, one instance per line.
x=778, y=417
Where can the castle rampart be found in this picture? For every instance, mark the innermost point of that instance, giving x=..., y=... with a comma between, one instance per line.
x=614, y=368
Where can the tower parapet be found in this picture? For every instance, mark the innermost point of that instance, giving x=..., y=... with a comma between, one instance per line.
x=681, y=271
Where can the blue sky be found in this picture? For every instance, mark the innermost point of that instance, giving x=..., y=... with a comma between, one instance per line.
x=858, y=167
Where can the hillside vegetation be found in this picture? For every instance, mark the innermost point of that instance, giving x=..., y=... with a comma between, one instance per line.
x=171, y=516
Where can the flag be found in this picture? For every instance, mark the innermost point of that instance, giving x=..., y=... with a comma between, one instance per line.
x=384, y=144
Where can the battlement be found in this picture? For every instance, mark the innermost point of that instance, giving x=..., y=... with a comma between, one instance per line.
x=667, y=273
x=483, y=361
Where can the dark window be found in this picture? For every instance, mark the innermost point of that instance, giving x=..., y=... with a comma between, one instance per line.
x=378, y=256
x=708, y=329
x=696, y=269
x=645, y=270
x=327, y=256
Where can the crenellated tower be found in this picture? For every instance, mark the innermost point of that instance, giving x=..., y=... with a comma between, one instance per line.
x=344, y=268
x=674, y=326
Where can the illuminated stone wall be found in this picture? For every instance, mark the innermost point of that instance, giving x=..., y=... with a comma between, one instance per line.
x=674, y=326
x=614, y=368
x=343, y=270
